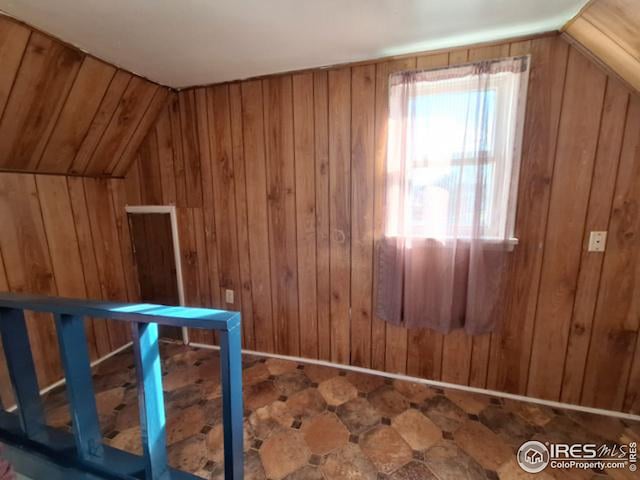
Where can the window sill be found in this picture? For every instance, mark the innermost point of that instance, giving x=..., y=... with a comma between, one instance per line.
x=509, y=243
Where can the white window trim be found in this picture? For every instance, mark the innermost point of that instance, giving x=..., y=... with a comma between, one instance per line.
x=512, y=241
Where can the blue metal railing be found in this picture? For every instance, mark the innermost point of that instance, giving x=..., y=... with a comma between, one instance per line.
x=40, y=451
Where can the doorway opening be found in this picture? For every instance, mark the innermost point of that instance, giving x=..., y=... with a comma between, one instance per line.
x=156, y=247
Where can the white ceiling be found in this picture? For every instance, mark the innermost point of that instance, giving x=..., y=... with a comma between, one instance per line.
x=190, y=42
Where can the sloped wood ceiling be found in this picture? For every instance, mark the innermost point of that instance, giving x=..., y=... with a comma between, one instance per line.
x=610, y=30
x=65, y=112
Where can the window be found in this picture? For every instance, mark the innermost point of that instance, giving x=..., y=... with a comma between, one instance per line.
x=453, y=151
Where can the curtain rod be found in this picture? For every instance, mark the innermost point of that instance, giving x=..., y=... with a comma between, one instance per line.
x=525, y=58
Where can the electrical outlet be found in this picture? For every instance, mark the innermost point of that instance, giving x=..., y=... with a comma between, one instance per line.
x=228, y=296
x=597, y=241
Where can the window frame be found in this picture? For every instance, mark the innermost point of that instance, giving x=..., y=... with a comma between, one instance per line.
x=503, y=112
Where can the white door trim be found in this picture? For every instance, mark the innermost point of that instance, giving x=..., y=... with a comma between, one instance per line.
x=171, y=210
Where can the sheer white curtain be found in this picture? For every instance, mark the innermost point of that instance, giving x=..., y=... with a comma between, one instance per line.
x=451, y=186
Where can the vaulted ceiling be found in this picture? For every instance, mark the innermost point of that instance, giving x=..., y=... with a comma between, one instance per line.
x=62, y=111
x=67, y=112
x=610, y=30
x=185, y=43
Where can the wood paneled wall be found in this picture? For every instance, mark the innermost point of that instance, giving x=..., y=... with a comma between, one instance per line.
x=279, y=182
x=65, y=236
x=62, y=111
x=610, y=30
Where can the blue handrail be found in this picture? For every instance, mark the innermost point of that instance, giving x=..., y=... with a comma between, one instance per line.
x=44, y=451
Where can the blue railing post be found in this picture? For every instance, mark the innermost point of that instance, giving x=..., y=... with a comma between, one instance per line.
x=232, y=410
x=42, y=449
x=22, y=372
x=150, y=400
x=77, y=368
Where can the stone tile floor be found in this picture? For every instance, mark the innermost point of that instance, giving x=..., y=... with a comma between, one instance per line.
x=305, y=421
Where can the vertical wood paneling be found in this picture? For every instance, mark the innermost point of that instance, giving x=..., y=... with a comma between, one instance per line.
x=278, y=127
x=166, y=152
x=119, y=200
x=379, y=326
x=293, y=191
x=41, y=86
x=75, y=118
x=222, y=175
x=62, y=111
x=59, y=108
x=13, y=42
x=93, y=286
x=235, y=97
x=632, y=395
x=120, y=165
x=64, y=249
x=258, y=226
x=101, y=120
x=108, y=251
x=178, y=155
x=511, y=346
x=61, y=235
x=126, y=117
x=321, y=137
x=340, y=211
x=202, y=261
x=305, y=177
x=190, y=149
x=132, y=185
x=617, y=317
x=28, y=265
x=577, y=141
x=599, y=210
x=193, y=253
x=150, y=175
x=208, y=215
x=47, y=246
x=189, y=255
x=363, y=86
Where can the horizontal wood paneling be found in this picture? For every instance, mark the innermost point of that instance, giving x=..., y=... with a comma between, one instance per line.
x=292, y=221
x=60, y=236
x=62, y=111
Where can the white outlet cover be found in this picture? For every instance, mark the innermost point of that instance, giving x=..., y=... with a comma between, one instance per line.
x=228, y=296
x=597, y=241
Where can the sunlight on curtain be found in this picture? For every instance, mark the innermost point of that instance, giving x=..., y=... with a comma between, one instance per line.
x=452, y=168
